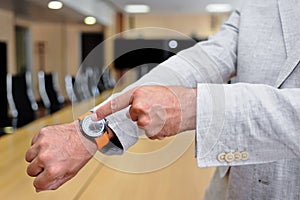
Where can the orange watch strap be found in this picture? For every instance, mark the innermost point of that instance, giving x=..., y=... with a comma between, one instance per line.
x=84, y=115
x=102, y=140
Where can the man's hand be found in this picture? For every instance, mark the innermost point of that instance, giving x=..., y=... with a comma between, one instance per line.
x=57, y=154
x=159, y=110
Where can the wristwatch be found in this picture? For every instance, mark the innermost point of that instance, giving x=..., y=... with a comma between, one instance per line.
x=96, y=131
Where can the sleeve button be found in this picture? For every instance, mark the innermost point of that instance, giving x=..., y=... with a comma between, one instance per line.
x=237, y=156
x=229, y=157
x=245, y=155
x=221, y=157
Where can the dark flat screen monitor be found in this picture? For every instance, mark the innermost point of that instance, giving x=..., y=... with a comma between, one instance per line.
x=130, y=53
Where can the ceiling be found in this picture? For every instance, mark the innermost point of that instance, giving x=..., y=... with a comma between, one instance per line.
x=172, y=6
x=37, y=10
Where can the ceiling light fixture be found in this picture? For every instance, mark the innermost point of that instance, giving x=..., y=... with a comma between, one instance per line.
x=55, y=5
x=218, y=8
x=90, y=20
x=137, y=8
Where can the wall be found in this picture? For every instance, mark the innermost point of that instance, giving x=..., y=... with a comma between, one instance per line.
x=73, y=43
x=62, y=45
x=7, y=34
x=200, y=25
x=62, y=48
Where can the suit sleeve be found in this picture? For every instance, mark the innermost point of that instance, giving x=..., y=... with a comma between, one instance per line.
x=212, y=61
x=247, y=124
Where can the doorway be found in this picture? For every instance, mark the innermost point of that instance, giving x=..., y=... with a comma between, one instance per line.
x=92, y=52
x=88, y=42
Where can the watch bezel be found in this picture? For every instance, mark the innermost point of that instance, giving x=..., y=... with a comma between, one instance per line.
x=85, y=123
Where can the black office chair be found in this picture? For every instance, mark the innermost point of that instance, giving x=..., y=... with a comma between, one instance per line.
x=5, y=120
x=92, y=79
x=90, y=82
x=106, y=81
x=82, y=83
x=49, y=92
x=69, y=82
x=21, y=99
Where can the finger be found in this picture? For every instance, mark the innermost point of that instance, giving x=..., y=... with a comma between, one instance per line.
x=34, y=169
x=133, y=114
x=58, y=182
x=158, y=137
x=42, y=182
x=34, y=139
x=31, y=153
x=143, y=121
x=114, y=105
x=45, y=180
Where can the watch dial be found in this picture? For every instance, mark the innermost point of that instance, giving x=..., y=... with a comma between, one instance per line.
x=93, y=128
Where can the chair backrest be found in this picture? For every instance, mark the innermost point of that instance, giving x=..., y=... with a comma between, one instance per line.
x=20, y=98
x=69, y=82
x=92, y=79
x=49, y=91
x=106, y=81
x=4, y=119
x=81, y=86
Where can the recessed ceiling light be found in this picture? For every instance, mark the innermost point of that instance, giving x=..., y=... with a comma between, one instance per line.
x=137, y=8
x=219, y=8
x=90, y=20
x=55, y=5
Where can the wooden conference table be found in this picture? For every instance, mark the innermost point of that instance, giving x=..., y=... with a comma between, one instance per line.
x=178, y=180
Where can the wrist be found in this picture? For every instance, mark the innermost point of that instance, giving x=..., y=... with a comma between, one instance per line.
x=103, y=137
x=94, y=130
x=188, y=104
x=89, y=145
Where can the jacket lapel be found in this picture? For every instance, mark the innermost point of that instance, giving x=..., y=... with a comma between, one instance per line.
x=289, y=16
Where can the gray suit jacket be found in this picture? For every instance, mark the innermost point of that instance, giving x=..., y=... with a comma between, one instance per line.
x=251, y=127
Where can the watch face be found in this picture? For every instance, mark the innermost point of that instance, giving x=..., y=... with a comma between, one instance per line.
x=93, y=128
